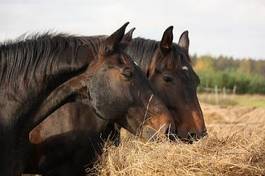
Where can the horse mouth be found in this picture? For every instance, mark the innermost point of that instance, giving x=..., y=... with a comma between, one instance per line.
x=189, y=139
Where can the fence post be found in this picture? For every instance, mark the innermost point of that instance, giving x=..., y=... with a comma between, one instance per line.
x=224, y=92
x=234, y=90
x=216, y=94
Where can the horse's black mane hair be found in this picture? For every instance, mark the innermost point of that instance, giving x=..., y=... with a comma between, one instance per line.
x=146, y=49
x=38, y=51
x=25, y=46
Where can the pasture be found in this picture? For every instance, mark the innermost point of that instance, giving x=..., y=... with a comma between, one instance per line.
x=235, y=145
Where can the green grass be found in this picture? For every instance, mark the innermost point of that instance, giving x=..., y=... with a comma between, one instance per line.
x=232, y=100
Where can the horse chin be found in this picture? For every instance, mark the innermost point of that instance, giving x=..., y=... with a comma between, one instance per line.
x=151, y=134
x=188, y=139
x=148, y=134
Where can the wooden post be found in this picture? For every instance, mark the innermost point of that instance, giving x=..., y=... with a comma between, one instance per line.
x=234, y=90
x=216, y=94
x=224, y=92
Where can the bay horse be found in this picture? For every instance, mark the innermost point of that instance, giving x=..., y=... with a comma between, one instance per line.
x=41, y=73
x=168, y=67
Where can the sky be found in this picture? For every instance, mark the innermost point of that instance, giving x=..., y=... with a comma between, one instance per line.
x=217, y=27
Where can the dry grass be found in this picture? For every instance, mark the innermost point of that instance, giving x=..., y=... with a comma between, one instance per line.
x=221, y=99
x=235, y=146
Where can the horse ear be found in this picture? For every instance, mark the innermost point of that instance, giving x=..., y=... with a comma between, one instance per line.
x=127, y=38
x=184, y=41
x=113, y=41
x=167, y=39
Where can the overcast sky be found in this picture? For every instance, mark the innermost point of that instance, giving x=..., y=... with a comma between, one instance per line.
x=229, y=27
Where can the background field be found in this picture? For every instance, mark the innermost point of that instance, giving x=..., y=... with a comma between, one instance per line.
x=235, y=145
x=228, y=74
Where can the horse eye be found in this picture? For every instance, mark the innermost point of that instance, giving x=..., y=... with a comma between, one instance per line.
x=108, y=51
x=167, y=78
x=127, y=72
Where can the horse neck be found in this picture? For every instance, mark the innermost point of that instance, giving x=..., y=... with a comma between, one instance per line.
x=142, y=51
x=26, y=83
x=74, y=60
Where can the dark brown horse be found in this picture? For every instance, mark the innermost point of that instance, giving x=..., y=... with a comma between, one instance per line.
x=168, y=66
x=29, y=71
x=40, y=74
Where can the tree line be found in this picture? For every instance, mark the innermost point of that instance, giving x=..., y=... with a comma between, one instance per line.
x=247, y=75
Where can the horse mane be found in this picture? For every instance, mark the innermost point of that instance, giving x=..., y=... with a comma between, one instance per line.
x=23, y=56
x=142, y=51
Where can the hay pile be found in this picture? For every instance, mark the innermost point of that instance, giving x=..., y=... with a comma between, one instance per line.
x=235, y=146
